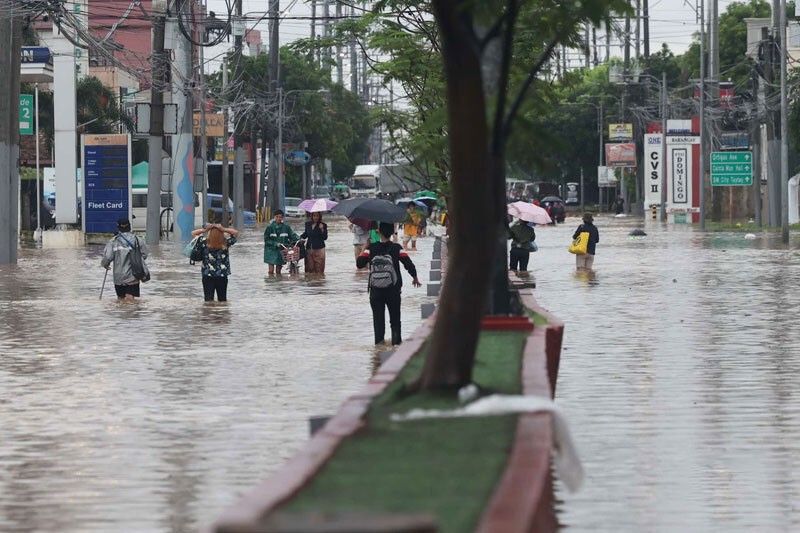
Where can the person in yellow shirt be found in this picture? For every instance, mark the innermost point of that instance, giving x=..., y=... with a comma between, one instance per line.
x=411, y=226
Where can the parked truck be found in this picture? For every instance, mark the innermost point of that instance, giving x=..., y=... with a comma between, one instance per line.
x=384, y=181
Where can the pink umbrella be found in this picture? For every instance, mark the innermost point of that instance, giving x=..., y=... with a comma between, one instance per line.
x=317, y=205
x=529, y=212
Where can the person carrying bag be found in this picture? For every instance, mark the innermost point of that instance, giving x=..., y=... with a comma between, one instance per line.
x=584, y=243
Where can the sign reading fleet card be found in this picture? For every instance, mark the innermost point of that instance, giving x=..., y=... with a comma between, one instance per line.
x=106, y=184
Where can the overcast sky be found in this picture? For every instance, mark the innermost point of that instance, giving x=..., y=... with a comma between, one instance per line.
x=671, y=21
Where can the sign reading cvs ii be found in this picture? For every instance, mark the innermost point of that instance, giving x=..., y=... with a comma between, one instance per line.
x=731, y=169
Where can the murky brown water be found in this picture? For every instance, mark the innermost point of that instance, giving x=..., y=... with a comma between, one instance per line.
x=154, y=416
x=680, y=378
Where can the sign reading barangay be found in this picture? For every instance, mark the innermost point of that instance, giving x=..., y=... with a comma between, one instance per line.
x=732, y=169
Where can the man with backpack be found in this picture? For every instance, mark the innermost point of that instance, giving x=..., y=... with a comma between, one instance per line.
x=127, y=253
x=385, y=282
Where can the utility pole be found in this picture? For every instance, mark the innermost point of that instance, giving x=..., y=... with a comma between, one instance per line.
x=608, y=41
x=646, y=24
x=587, y=59
x=38, y=173
x=716, y=196
x=274, y=82
x=353, y=59
x=326, y=32
x=638, y=28
x=181, y=186
x=10, y=33
x=238, y=158
x=773, y=121
x=755, y=142
x=158, y=62
x=594, y=45
x=702, y=117
x=627, y=57
x=664, y=108
x=203, y=132
x=315, y=53
x=784, y=131
x=339, y=58
x=226, y=187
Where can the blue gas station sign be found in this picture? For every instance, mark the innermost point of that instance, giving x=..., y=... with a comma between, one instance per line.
x=106, y=182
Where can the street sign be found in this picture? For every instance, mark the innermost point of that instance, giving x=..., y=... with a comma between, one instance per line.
x=26, y=114
x=731, y=169
x=297, y=158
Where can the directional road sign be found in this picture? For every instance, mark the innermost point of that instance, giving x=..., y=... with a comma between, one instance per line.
x=731, y=169
x=26, y=114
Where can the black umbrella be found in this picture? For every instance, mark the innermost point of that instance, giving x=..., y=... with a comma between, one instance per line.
x=371, y=209
x=552, y=199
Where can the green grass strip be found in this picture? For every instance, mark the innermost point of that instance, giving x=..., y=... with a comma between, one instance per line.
x=446, y=467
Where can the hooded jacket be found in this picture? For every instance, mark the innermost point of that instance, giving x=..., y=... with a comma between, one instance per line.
x=117, y=251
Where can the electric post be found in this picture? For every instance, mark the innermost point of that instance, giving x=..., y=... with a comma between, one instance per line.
x=784, y=131
x=238, y=158
x=155, y=142
x=10, y=30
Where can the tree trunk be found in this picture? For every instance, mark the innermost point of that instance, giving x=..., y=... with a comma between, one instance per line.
x=473, y=231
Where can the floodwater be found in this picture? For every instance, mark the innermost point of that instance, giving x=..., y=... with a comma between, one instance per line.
x=680, y=378
x=156, y=415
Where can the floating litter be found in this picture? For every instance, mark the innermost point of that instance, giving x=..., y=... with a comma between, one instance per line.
x=750, y=236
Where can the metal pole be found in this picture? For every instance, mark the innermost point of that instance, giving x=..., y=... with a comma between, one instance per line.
x=203, y=135
x=279, y=153
x=581, y=192
x=226, y=192
x=646, y=28
x=784, y=132
x=238, y=158
x=155, y=141
x=663, y=211
x=38, y=175
x=702, y=118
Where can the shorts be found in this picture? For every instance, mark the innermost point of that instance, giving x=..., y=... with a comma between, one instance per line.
x=124, y=290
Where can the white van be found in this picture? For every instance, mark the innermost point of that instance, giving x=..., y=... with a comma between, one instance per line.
x=139, y=209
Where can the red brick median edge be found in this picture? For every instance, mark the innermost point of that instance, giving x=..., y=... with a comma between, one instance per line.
x=522, y=500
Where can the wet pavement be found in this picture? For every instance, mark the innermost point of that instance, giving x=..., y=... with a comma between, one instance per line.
x=156, y=415
x=679, y=377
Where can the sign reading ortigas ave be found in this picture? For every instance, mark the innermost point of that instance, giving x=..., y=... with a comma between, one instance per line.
x=106, y=185
x=732, y=168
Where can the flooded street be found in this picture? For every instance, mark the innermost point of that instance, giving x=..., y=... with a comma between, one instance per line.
x=679, y=377
x=154, y=416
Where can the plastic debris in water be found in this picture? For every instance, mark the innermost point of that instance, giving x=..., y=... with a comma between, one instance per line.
x=750, y=236
x=637, y=233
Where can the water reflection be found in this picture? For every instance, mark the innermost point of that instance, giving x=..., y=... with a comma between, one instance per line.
x=678, y=378
x=156, y=415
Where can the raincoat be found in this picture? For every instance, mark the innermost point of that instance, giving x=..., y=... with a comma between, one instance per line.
x=275, y=235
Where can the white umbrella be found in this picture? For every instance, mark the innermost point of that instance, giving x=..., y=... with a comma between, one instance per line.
x=529, y=213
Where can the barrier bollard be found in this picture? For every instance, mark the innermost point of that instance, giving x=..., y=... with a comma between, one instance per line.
x=427, y=310
x=437, y=254
x=436, y=264
x=434, y=288
x=315, y=423
x=385, y=355
x=435, y=275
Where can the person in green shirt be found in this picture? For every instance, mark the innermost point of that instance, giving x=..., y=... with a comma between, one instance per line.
x=374, y=236
x=277, y=233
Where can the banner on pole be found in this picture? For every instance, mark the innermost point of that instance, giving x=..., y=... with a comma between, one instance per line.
x=621, y=154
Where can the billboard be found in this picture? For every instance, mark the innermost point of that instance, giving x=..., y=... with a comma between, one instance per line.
x=106, y=163
x=620, y=132
x=653, y=169
x=621, y=154
x=606, y=177
x=215, y=125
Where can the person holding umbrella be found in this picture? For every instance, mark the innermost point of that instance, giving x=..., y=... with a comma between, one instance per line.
x=316, y=231
x=385, y=282
x=277, y=234
x=522, y=236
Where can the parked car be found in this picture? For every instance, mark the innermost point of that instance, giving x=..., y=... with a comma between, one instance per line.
x=291, y=207
x=215, y=205
x=555, y=206
x=321, y=191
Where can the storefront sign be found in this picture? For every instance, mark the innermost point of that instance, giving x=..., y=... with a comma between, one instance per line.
x=215, y=125
x=680, y=175
x=107, y=181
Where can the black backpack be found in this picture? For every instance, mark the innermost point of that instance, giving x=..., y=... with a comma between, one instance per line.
x=138, y=268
